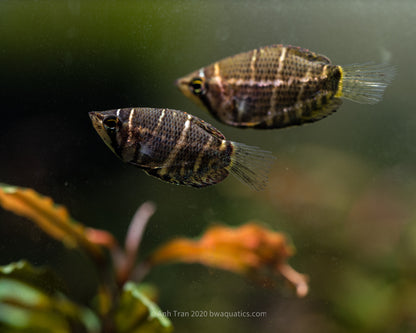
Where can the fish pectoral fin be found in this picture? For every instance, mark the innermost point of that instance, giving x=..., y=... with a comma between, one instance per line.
x=241, y=107
x=208, y=127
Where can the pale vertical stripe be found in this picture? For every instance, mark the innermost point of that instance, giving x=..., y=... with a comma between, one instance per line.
x=217, y=69
x=281, y=60
x=130, y=129
x=181, y=142
x=241, y=108
x=217, y=76
x=252, y=65
x=304, y=81
x=118, y=113
x=201, y=154
x=273, y=99
x=159, y=123
x=325, y=71
x=223, y=145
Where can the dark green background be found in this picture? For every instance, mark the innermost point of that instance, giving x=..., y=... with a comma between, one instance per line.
x=343, y=188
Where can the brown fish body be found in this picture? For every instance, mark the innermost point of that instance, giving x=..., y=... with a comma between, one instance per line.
x=277, y=86
x=171, y=145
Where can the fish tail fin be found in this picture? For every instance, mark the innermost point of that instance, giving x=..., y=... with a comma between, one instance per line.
x=251, y=165
x=365, y=83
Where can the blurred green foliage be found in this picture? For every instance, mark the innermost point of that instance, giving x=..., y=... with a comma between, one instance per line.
x=30, y=302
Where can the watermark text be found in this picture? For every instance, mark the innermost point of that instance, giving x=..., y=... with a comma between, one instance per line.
x=214, y=314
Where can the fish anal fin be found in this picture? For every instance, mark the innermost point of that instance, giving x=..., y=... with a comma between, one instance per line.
x=322, y=112
x=294, y=115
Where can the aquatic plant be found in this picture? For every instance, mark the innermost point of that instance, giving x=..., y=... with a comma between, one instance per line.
x=36, y=298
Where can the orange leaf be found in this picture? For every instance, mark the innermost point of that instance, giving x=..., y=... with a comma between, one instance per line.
x=245, y=250
x=101, y=237
x=51, y=218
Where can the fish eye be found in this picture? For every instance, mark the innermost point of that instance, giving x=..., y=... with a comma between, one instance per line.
x=197, y=86
x=110, y=122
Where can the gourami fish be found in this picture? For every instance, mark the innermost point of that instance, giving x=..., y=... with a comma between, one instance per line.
x=279, y=86
x=179, y=148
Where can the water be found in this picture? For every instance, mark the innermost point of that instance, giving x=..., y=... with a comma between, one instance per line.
x=343, y=188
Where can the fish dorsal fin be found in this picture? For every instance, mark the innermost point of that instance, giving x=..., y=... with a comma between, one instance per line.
x=208, y=127
x=311, y=56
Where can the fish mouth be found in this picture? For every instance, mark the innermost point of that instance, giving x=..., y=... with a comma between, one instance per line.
x=97, y=121
x=182, y=83
x=95, y=115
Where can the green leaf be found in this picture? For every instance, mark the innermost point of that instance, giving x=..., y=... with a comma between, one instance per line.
x=41, y=278
x=31, y=301
x=138, y=314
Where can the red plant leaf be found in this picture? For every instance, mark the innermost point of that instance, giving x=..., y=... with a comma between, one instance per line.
x=246, y=250
x=50, y=217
